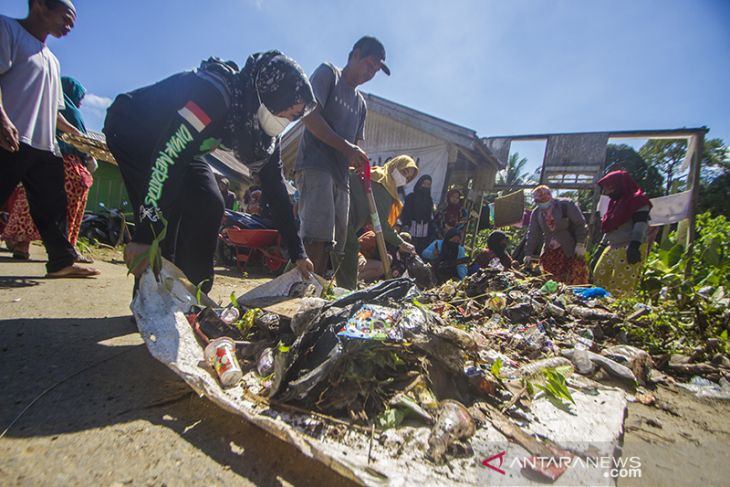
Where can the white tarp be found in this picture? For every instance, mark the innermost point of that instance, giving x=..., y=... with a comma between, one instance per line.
x=670, y=209
x=665, y=209
x=593, y=426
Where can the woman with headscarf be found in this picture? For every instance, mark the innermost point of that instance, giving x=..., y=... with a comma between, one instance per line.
x=447, y=256
x=77, y=169
x=452, y=214
x=495, y=255
x=158, y=133
x=417, y=216
x=386, y=180
x=558, y=228
x=625, y=226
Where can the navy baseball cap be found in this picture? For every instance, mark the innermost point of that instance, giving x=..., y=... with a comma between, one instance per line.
x=370, y=46
x=68, y=4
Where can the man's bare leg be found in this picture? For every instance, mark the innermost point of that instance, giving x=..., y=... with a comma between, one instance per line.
x=317, y=254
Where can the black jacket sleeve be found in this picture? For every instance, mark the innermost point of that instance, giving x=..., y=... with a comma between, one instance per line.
x=272, y=184
x=184, y=137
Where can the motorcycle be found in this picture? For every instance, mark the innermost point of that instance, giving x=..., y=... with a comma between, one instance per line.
x=109, y=226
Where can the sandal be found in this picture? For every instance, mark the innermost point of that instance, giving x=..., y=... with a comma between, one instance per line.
x=83, y=259
x=74, y=271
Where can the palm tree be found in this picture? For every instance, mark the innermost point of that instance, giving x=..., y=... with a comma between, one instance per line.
x=513, y=175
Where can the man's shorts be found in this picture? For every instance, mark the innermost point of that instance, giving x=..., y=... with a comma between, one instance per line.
x=324, y=207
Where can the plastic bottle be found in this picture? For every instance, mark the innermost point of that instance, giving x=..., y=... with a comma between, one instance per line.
x=265, y=362
x=454, y=423
x=230, y=315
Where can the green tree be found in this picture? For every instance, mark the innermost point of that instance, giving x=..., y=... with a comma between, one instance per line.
x=583, y=198
x=665, y=155
x=715, y=180
x=622, y=156
x=716, y=160
x=668, y=155
x=514, y=174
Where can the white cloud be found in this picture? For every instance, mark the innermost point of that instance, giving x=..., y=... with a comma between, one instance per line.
x=95, y=101
x=93, y=109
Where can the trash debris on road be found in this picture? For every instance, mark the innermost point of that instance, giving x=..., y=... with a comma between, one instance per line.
x=401, y=382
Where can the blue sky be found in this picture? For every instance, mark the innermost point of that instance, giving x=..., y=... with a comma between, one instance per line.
x=498, y=67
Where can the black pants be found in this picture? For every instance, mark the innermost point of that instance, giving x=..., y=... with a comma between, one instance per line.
x=192, y=203
x=42, y=175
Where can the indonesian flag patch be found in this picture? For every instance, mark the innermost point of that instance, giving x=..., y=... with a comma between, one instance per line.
x=194, y=115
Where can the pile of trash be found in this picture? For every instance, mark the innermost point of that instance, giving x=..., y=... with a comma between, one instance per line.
x=458, y=360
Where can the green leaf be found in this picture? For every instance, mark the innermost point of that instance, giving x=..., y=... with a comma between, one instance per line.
x=390, y=418
x=711, y=255
x=555, y=385
x=246, y=322
x=153, y=255
x=137, y=261
x=234, y=300
x=199, y=290
x=419, y=305
x=675, y=255
x=496, y=368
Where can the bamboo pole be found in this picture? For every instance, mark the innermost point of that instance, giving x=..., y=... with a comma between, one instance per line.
x=375, y=219
x=693, y=182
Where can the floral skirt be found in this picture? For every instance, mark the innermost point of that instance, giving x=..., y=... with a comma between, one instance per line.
x=77, y=182
x=615, y=274
x=568, y=270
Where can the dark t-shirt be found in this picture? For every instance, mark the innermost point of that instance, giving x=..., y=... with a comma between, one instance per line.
x=344, y=109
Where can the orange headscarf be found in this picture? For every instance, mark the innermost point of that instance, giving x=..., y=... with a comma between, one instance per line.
x=381, y=175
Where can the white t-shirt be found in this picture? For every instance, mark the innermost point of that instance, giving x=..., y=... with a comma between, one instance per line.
x=30, y=79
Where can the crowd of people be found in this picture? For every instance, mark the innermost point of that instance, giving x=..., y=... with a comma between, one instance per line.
x=157, y=134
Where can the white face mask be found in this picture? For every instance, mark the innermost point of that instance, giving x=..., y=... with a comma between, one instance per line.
x=270, y=123
x=398, y=178
x=545, y=205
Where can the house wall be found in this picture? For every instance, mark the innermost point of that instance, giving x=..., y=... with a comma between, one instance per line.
x=385, y=138
x=108, y=188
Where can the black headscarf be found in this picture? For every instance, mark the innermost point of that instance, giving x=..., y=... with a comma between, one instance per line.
x=419, y=204
x=278, y=80
x=449, y=249
x=497, y=243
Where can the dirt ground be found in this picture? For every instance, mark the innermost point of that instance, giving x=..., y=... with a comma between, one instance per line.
x=97, y=409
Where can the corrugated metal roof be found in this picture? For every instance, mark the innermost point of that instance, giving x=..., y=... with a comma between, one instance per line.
x=426, y=130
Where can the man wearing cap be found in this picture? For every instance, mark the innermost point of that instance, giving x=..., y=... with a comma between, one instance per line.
x=330, y=145
x=30, y=99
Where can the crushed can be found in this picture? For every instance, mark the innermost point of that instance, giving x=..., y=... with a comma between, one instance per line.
x=221, y=355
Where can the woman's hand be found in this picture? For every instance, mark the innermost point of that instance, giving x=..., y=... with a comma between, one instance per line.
x=407, y=248
x=306, y=267
x=633, y=252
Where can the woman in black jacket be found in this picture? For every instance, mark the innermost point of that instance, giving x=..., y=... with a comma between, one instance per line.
x=417, y=215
